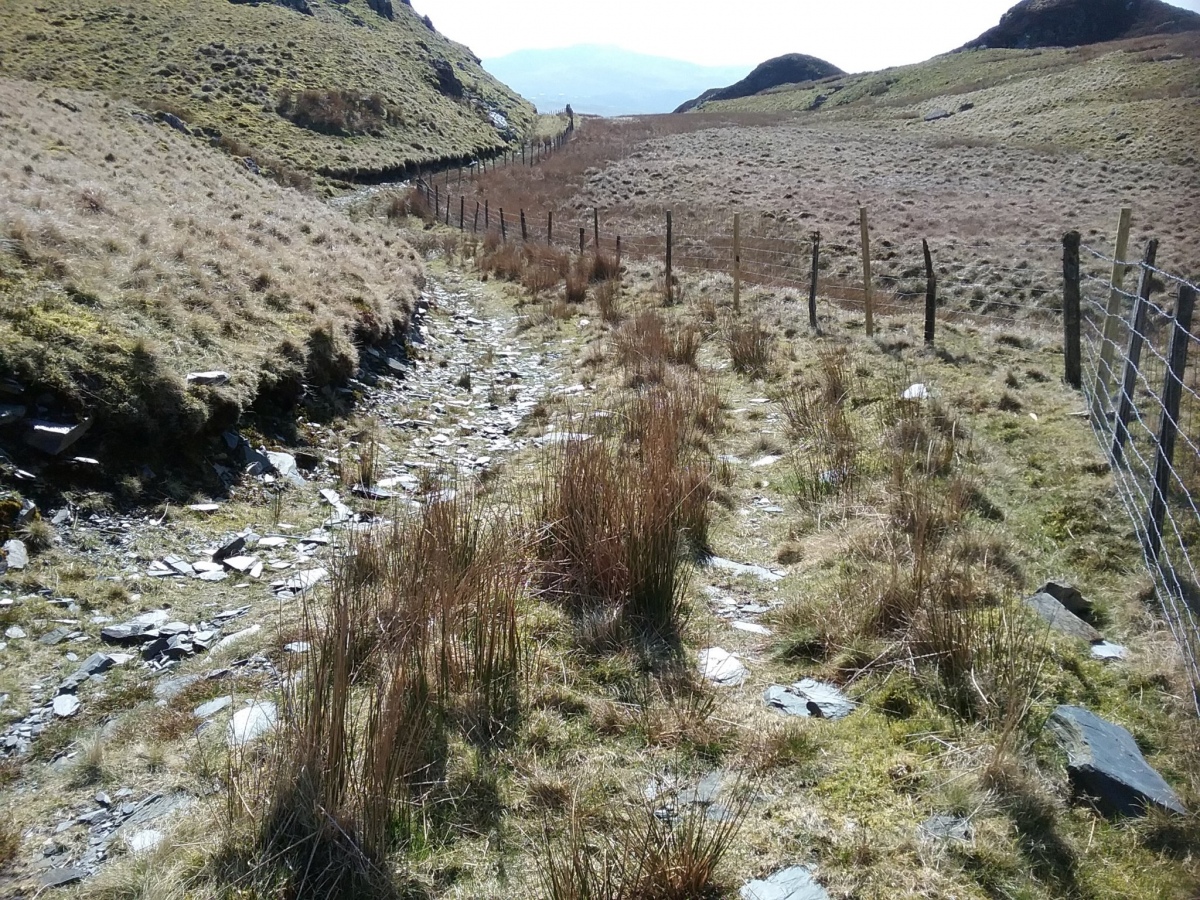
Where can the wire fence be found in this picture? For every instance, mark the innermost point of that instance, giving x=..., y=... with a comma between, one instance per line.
x=1144, y=399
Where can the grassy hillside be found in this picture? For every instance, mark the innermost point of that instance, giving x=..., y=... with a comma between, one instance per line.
x=1131, y=99
x=130, y=256
x=343, y=90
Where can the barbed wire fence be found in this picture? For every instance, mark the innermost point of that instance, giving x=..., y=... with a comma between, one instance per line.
x=1127, y=351
x=1144, y=406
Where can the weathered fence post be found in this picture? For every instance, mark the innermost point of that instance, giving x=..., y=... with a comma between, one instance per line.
x=462, y=212
x=524, y=231
x=522, y=154
x=503, y=228
x=1133, y=354
x=550, y=227
x=596, y=228
x=1101, y=392
x=930, y=295
x=582, y=238
x=618, y=253
x=1072, y=371
x=670, y=291
x=866, y=266
x=437, y=203
x=1168, y=428
x=487, y=218
x=448, y=201
x=737, y=262
x=812, y=285
x=475, y=221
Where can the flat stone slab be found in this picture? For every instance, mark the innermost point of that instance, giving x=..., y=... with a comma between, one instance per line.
x=945, y=828
x=60, y=877
x=751, y=628
x=809, y=698
x=736, y=568
x=212, y=707
x=15, y=554
x=1107, y=651
x=251, y=722
x=1104, y=761
x=792, y=883
x=1062, y=619
x=722, y=667
x=1069, y=596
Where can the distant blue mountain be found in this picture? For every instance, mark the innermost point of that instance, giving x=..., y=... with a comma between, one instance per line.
x=607, y=81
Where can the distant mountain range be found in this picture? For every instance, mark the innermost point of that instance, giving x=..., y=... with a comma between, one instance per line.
x=606, y=81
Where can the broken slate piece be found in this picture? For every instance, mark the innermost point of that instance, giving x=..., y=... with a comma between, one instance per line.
x=242, y=564
x=212, y=707
x=809, y=698
x=1104, y=761
x=207, y=379
x=179, y=565
x=204, y=507
x=1106, y=651
x=66, y=705
x=53, y=438
x=95, y=664
x=792, y=883
x=231, y=548
x=722, y=667
x=751, y=628
x=237, y=636
x=303, y=581
x=213, y=576
x=57, y=636
x=945, y=828
x=15, y=554
x=251, y=722
x=60, y=877
x=736, y=568
x=1061, y=619
x=285, y=465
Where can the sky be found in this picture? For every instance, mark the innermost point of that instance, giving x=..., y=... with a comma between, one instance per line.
x=857, y=35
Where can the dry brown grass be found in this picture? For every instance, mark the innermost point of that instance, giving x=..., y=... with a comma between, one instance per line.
x=133, y=256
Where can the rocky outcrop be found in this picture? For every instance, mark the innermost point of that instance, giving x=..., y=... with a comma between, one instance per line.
x=792, y=68
x=300, y=6
x=383, y=7
x=1070, y=23
x=446, y=80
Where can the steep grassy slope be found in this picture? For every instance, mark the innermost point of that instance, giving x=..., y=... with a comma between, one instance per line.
x=1132, y=99
x=382, y=93
x=130, y=256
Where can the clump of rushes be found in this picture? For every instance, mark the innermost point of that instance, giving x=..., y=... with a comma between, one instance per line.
x=623, y=515
x=416, y=652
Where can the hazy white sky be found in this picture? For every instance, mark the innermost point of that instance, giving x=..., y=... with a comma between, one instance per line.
x=855, y=34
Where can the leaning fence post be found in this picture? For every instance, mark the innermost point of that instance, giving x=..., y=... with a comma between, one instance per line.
x=1101, y=397
x=866, y=265
x=1133, y=355
x=812, y=284
x=1072, y=371
x=1168, y=429
x=670, y=292
x=550, y=227
x=737, y=262
x=503, y=228
x=930, y=295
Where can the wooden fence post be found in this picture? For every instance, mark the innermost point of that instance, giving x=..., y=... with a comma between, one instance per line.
x=670, y=291
x=1133, y=355
x=582, y=238
x=524, y=231
x=462, y=212
x=448, y=201
x=812, y=285
x=930, y=295
x=503, y=229
x=1168, y=428
x=550, y=227
x=866, y=265
x=618, y=253
x=596, y=229
x=437, y=203
x=737, y=262
x=522, y=154
x=487, y=218
x=475, y=222
x=1101, y=392
x=1072, y=370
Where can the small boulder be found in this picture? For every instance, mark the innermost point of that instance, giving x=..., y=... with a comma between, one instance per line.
x=1104, y=761
x=1061, y=619
x=1069, y=596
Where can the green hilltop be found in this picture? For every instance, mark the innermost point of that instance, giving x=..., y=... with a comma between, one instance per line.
x=347, y=89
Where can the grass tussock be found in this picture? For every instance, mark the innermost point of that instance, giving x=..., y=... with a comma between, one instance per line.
x=751, y=347
x=413, y=677
x=646, y=346
x=623, y=515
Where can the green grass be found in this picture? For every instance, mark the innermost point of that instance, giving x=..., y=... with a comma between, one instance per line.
x=224, y=68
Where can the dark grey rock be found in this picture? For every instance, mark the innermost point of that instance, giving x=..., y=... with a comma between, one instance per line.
x=169, y=688
x=1069, y=596
x=792, y=883
x=936, y=114
x=53, y=438
x=231, y=548
x=1104, y=761
x=809, y=698
x=946, y=828
x=207, y=379
x=1061, y=619
x=212, y=707
x=60, y=877
x=56, y=636
x=95, y=664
